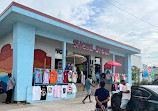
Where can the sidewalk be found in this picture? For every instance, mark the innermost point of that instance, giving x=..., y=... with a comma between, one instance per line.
x=60, y=105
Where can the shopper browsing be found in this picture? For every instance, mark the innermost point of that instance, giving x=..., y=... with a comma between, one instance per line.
x=88, y=85
x=126, y=95
x=102, y=97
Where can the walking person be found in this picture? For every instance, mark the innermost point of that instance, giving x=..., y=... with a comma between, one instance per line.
x=126, y=95
x=10, y=86
x=102, y=97
x=88, y=85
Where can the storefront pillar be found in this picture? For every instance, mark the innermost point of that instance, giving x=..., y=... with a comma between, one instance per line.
x=113, y=59
x=64, y=56
x=127, y=66
x=23, y=56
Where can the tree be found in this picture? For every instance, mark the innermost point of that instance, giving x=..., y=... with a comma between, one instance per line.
x=136, y=74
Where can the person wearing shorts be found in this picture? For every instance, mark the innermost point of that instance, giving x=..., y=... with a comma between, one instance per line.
x=88, y=85
x=126, y=95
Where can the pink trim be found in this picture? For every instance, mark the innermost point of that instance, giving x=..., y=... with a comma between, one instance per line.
x=61, y=21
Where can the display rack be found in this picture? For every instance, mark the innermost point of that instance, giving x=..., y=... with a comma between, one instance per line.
x=51, y=83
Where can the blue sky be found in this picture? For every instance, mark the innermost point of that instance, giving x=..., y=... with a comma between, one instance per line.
x=105, y=19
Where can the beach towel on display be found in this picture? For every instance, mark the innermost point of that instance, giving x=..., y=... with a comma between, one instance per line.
x=74, y=88
x=50, y=90
x=70, y=76
x=69, y=89
x=64, y=91
x=57, y=90
x=117, y=78
x=43, y=92
x=36, y=93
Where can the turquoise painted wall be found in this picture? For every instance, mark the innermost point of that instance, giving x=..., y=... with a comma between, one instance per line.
x=23, y=56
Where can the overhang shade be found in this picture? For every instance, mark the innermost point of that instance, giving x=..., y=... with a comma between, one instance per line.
x=53, y=28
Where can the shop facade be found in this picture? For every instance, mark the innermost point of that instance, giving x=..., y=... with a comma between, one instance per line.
x=25, y=33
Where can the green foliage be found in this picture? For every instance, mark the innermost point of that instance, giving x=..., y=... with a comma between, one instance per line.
x=144, y=82
x=136, y=74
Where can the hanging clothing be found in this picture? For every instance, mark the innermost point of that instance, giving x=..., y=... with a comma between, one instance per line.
x=53, y=76
x=57, y=90
x=74, y=88
x=117, y=78
x=93, y=73
x=60, y=76
x=69, y=89
x=116, y=87
x=36, y=93
x=74, y=77
x=113, y=87
x=65, y=77
x=64, y=91
x=82, y=78
x=113, y=77
x=38, y=76
x=70, y=76
x=97, y=75
x=67, y=67
x=46, y=76
x=50, y=90
x=124, y=77
x=43, y=92
x=80, y=68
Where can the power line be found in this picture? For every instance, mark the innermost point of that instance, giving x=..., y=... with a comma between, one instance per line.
x=131, y=14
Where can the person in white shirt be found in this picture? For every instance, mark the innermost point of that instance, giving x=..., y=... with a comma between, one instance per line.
x=126, y=95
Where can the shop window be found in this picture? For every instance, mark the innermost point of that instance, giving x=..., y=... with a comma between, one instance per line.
x=97, y=60
x=97, y=65
x=58, y=54
x=58, y=59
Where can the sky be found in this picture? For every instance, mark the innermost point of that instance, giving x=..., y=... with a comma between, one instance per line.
x=103, y=18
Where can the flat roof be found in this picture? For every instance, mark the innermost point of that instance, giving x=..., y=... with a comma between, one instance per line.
x=64, y=22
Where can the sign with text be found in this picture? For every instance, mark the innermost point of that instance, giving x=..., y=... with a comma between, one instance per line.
x=89, y=47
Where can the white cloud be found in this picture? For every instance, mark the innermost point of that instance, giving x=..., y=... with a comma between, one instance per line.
x=107, y=20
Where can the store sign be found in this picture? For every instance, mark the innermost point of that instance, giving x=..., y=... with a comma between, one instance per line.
x=89, y=47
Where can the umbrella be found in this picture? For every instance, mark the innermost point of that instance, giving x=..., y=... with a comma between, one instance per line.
x=108, y=65
x=113, y=63
x=75, y=58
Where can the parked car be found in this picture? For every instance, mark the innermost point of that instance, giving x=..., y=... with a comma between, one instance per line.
x=143, y=98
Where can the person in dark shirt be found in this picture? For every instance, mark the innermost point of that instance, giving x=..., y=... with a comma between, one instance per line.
x=102, y=97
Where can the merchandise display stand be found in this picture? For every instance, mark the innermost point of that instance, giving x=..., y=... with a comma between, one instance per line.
x=50, y=98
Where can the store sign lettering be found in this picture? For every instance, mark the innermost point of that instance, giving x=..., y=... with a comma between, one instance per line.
x=89, y=47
